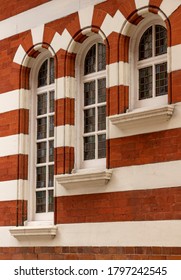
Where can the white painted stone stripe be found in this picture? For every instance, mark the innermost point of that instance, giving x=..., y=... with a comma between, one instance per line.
x=19, y=56
x=65, y=87
x=131, y=178
x=41, y=15
x=113, y=24
x=140, y=3
x=174, y=122
x=174, y=55
x=85, y=16
x=14, y=144
x=13, y=190
x=141, y=233
x=65, y=136
x=117, y=74
x=14, y=100
x=37, y=34
x=168, y=7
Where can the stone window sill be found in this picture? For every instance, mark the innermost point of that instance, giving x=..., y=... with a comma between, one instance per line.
x=85, y=178
x=143, y=116
x=33, y=231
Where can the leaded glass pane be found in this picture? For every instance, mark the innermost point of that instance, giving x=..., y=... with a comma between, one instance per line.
x=161, y=40
x=51, y=151
x=90, y=61
x=145, y=83
x=101, y=57
x=102, y=118
x=42, y=128
x=50, y=201
x=161, y=79
x=51, y=101
x=89, y=147
x=40, y=202
x=42, y=75
x=102, y=146
x=89, y=93
x=89, y=120
x=41, y=152
x=50, y=175
x=51, y=73
x=51, y=126
x=102, y=90
x=42, y=104
x=145, y=46
x=41, y=177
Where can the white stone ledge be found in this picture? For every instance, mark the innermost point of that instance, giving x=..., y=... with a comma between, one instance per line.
x=86, y=178
x=30, y=231
x=143, y=116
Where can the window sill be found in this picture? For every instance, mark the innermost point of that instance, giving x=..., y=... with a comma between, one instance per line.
x=85, y=178
x=143, y=116
x=34, y=231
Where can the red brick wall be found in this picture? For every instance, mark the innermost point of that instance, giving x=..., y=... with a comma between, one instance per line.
x=90, y=253
x=147, y=148
x=13, y=213
x=139, y=205
x=10, y=8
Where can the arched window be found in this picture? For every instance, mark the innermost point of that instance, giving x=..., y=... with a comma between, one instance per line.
x=42, y=130
x=92, y=100
x=151, y=79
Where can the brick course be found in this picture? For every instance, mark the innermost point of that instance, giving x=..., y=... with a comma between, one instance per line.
x=10, y=8
x=90, y=253
x=136, y=205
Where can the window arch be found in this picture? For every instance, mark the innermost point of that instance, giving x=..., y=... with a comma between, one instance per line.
x=150, y=85
x=42, y=141
x=92, y=106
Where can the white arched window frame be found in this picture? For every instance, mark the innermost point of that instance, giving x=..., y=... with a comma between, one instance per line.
x=41, y=159
x=148, y=69
x=91, y=108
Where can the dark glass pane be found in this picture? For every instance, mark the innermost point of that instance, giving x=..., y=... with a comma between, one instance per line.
x=145, y=46
x=90, y=61
x=161, y=79
x=50, y=201
x=42, y=75
x=50, y=176
x=41, y=177
x=145, y=83
x=102, y=90
x=40, y=202
x=102, y=118
x=161, y=40
x=102, y=146
x=51, y=101
x=51, y=151
x=101, y=57
x=42, y=128
x=89, y=93
x=89, y=147
x=42, y=104
x=89, y=120
x=51, y=71
x=51, y=126
x=41, y=152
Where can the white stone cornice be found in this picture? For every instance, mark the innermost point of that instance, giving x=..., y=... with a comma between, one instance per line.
x=143, y=116
x=33, y=231
x=86, y=178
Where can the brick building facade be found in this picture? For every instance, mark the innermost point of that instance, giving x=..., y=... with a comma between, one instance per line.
x=90, y=125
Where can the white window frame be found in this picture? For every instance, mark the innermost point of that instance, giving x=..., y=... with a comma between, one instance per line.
x=80, y=163
x=137, y=64
x=33, y=217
